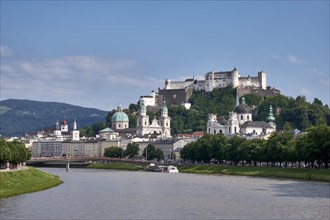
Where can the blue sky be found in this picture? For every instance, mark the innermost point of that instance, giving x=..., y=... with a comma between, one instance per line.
x=105, y=53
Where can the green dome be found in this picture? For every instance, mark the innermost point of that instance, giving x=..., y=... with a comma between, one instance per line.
x=119, y=117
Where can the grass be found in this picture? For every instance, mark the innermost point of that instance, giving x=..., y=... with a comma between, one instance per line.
x=322, y=175
x=115, y=166
x=26, y=181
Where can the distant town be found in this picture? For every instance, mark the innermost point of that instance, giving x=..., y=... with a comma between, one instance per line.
x=65, y=138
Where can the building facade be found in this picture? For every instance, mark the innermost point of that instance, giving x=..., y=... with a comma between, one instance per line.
x=162, y=127
x=240, y=123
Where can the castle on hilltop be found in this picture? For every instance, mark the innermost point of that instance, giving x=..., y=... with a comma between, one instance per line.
x=214, y=80
x=179, y=92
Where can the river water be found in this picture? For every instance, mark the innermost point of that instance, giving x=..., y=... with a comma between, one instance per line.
x=108, y=194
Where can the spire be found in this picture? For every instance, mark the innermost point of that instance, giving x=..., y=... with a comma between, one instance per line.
x=237, y=98
x=270, y=117
x=74, y=126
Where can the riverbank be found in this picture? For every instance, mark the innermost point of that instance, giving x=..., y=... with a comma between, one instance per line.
x=321, y=175
x=115, y=166
x=26, y=181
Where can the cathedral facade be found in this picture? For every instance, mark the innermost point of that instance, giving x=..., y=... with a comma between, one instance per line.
x=161, y=127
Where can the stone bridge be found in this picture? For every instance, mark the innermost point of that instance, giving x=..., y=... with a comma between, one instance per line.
x=77, y=162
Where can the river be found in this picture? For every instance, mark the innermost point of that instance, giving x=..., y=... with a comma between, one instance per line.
x=110, y=194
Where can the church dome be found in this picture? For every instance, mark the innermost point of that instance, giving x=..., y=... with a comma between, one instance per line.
x=243, y=108
x=119, y=116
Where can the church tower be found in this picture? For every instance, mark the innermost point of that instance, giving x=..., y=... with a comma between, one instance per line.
x=75, y=133
x=271, y=118
x=165, y=122
x=142, y=121
x=57, y=131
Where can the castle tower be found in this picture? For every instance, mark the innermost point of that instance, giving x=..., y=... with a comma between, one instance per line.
x=75, y=133
x=235, y=78
x=262, y=79
x=142, y=124
x=209, y=78
x=165, y=122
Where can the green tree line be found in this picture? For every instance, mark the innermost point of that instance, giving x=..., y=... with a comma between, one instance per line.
x=13, y=152
x=309, y=148
x=132, y=150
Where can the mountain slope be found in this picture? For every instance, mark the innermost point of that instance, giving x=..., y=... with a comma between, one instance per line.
x=20, y=116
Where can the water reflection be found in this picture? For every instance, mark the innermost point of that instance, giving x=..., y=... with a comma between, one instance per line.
x=103, y=194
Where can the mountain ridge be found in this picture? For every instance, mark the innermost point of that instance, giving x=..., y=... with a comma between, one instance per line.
x=19, y=116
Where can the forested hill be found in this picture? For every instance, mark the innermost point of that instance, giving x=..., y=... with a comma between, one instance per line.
x=20, y=116
x=297, y=112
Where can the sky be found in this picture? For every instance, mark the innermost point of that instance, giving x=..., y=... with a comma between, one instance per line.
x=104, y=53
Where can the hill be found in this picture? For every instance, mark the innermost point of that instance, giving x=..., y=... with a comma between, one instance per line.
x=296, y=112
x=21, y=116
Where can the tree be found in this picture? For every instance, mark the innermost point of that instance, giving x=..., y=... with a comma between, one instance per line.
x=5, y=152
x=132, y=150
x=317, y=144
x=150, y=153
x=117, y=152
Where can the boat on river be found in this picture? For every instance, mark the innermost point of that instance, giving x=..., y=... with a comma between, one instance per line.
x=164, y=169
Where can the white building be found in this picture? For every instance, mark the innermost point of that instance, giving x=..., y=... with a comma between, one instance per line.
x=215, y=80
x=240, y=123
x=161, y=126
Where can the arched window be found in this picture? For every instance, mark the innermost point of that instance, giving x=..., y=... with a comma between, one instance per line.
x=235, y=129
x=215, y=132
x=166, y=124
x=145, y=122
x=241, y=117
x=209, y=130
x=220, y=131
x=229, y=130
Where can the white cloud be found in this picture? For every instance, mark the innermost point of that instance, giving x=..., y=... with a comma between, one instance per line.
x=5, y=51
x=76, y=80
x=294, y=59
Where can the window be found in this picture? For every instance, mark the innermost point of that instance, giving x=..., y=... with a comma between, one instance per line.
x=235, y=130
x=229, y=130
x=220, y=131
x=248, y=117
x=241, y=117
x=215, y=132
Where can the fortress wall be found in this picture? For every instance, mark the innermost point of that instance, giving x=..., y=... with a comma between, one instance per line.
x=176, y=96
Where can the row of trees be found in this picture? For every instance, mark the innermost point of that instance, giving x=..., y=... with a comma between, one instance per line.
x=310, y=147
x=132, y=150
x=13, y=152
